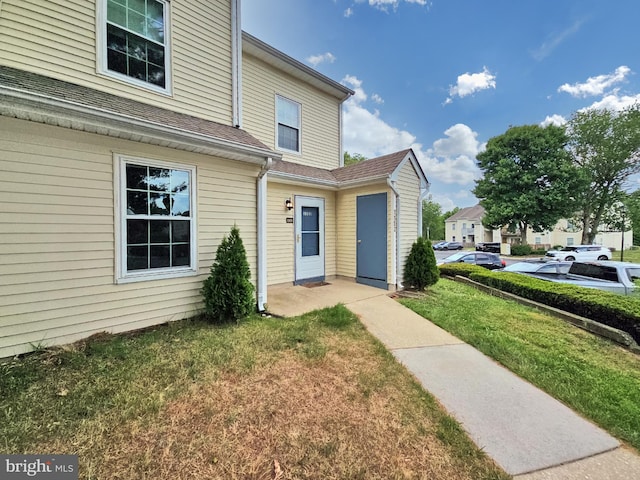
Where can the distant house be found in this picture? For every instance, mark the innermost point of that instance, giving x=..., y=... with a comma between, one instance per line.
x=466, y=226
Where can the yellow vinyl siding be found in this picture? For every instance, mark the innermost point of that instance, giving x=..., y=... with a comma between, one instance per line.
x=280, y=234
x=57, y=235
x=57, y=38
x=408, y=185
x=347, y=228
x=320, y=113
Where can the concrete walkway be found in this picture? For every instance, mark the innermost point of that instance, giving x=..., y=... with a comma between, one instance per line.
x=528, y=433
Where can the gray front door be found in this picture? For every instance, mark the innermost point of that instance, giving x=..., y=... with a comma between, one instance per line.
x=371, y=237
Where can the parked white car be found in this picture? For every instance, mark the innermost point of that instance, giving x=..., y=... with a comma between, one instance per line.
x=580, y=253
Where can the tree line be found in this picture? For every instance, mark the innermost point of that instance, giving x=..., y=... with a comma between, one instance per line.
x=533, y=176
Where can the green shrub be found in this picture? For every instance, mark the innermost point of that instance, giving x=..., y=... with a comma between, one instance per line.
x=617, y=311
x=228, y=292
x=462, y=269
x=420, y=270
x=539, y=251
x=519, y=250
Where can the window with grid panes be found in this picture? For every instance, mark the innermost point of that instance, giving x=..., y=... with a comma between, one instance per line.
x=136, y=41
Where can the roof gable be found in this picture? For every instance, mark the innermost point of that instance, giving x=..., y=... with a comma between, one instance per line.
x=470, y=213
x=367, y=171
x=272, y=56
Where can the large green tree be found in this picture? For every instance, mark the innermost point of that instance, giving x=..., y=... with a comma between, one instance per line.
x=632, y=204
x=605, y=145
x=528, y=179
x=432, y=220
x=350, y=159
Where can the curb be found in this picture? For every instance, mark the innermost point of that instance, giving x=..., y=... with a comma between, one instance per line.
x=605, y=331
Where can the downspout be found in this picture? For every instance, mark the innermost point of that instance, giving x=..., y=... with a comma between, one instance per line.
x=421, y=198
x=236, y=63
x=396, y=217
x=261, y=277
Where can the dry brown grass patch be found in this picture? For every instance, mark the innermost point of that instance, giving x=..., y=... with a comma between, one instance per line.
x=354, y=413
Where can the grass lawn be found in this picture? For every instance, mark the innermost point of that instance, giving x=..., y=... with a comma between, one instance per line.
x=314, y=397
x=629, y=255
x=591, y=375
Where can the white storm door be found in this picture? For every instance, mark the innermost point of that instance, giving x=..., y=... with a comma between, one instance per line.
x=309, y=238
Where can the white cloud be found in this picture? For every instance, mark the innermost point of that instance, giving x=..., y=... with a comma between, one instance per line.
x=377, y=98
x=453, y=159
x=450, y=161
x=470, y=83
x=596, y=85
x=364, y=131
x=554, y=41
x=556, y=119
x=316, y=60
x=614, y=101
x=386, y=5
x=348, y=12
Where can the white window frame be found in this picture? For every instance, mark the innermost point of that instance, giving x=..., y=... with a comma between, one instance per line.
x=101, y=50
x=120, y=204
x=298, y=127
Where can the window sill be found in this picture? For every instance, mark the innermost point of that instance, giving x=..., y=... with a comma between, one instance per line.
x=132, y=82
x=160, y=275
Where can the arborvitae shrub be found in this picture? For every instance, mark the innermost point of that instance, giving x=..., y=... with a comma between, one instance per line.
x=420, y=270
x=228, y=292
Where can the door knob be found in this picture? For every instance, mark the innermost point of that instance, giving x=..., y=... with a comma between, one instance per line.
x=359, y=241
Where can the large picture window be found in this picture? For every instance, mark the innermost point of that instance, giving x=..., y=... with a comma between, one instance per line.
x=288, y=124
x=135, y=46
x=157, y=219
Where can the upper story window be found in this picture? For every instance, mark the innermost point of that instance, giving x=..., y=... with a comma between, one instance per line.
x=288, y=124
x=135, y=42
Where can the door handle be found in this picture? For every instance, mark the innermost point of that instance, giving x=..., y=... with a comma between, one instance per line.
x=359, y=241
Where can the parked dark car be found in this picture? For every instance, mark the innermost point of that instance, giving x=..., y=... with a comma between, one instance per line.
x=453, y=246
x=493, y=247
x=486, y=260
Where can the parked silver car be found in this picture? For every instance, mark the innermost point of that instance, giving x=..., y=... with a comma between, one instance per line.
x=580, y=253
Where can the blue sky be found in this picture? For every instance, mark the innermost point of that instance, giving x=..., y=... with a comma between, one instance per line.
x=444, y=76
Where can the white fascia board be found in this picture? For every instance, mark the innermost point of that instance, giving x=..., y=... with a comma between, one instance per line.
x=43, y=109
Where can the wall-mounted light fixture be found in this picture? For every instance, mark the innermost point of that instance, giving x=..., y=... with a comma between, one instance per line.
x=288, y=204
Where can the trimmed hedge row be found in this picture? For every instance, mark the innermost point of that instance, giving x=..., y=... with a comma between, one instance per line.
x=617, y=311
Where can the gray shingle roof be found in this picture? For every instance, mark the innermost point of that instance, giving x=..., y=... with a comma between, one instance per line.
x=50, y=88
x=373, y=168
x=303, y=171
x=470, y=213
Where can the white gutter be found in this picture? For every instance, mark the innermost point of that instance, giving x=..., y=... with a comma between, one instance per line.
x=396, y=240
x=261, y=277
